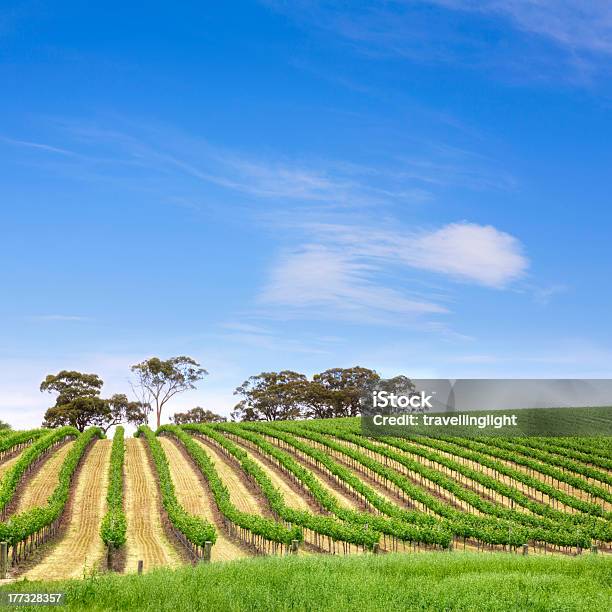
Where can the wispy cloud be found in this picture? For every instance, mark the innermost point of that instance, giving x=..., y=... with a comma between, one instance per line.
x=58, y=317
x=574, y=24
x=147, y=157
x=542, y=35
x=37, y=146
x=325, y=279
x=343, y=272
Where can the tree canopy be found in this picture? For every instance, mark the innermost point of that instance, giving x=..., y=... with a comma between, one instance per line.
x=271, y=396
x=79, y=404
x=337, y=392
x=286, y=395
x=157, y=380
x=197, y=415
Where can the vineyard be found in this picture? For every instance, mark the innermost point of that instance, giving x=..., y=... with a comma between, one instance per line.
x=73, y=503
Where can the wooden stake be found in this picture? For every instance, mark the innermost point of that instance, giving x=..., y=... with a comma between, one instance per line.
x=140, y=565
x=3, y=559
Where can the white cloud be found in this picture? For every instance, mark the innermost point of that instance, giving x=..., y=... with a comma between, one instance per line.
x=342, y=271
x=324, y=277
x=471, y=252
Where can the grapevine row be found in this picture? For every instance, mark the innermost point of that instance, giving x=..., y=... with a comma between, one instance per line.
x=407, y=526
x=11, y=441
x=499, y=467
x=250, y=527
x=334, y=529
x=114, y=524
x=574, y=460
x=599, y=529
x=520, y=526
x=26, y=530
x=526, y=458
x=193, y=531
x=27, y=460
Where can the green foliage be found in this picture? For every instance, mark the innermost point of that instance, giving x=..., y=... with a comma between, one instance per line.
x=477, y=451
x=114, y=523
x=270, y=530
x=337, y=392
x=11, y=479
x=359, y=534
x=13, y=438
x=20, y=526
x=194, y=528
x=70, y=385
x=79, y=404
x=368, y=583
x=404, y=525
x=271, y=396
x=197, y=415
x=567, y=459
x=503, y=526
x=288, y=395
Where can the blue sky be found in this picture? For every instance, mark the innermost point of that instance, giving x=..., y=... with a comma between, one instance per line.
x=417, y=187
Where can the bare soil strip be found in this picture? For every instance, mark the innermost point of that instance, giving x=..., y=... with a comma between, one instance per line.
x=146, y=538
x=232, y=476
x=196, y=499
x=35, y=491
x=80, y=549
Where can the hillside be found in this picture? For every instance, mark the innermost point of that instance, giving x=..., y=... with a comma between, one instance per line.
x=308, y=487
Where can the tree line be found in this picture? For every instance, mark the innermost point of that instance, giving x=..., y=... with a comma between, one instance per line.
x=288, y=395
x=268, y=396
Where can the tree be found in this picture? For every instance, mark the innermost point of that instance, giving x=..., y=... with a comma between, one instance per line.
x=71, y=385
x=4, y=426
x=157, y=381
x=79, y=403
x=121, y=410
x=197, y=415
x=81, y=412
x=271, y=396
x=337, y=392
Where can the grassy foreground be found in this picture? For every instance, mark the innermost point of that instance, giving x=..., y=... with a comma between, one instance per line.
x=426, y=581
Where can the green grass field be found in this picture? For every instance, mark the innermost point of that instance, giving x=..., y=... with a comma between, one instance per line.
x=447, y=581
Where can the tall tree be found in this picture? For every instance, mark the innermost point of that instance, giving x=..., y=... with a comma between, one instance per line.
x=70, y=385
x=81, y=412
x=337, y=392
x=271, y=396
x=197, y=415
x=79, y=404
x=157, y=380
x=4, y=426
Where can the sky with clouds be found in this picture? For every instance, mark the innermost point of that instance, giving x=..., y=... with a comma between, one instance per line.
x=419, y=187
